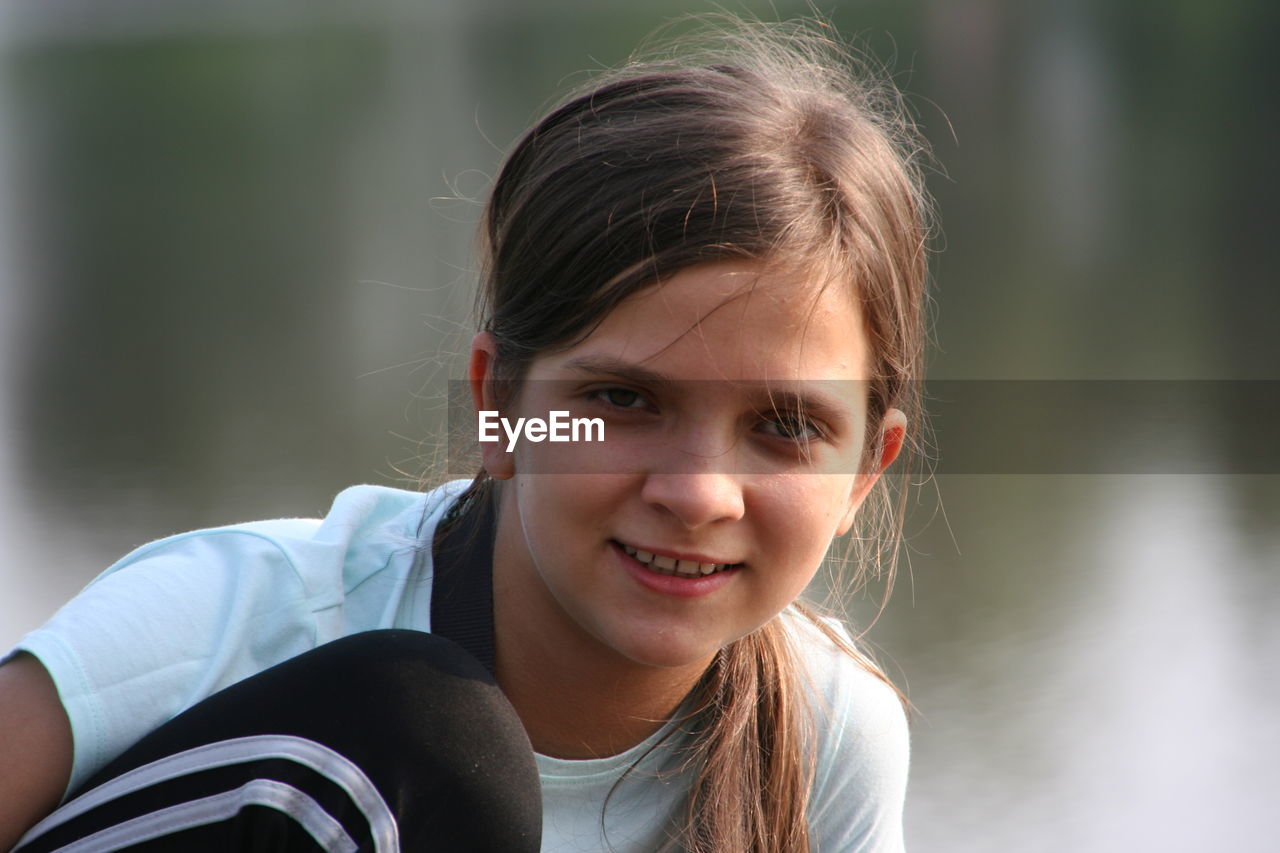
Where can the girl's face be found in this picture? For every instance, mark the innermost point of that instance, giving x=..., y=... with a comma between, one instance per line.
x=734, y=411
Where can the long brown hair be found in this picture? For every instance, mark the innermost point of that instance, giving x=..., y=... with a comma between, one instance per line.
x=761, y=142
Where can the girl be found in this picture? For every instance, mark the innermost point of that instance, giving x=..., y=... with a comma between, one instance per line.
x=720, y=258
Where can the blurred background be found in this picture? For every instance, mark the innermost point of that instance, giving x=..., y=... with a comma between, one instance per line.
x=235, y=268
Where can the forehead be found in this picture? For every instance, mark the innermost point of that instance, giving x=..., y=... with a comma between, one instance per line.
x=738, y=321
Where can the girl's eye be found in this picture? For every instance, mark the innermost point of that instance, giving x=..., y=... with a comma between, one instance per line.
x=623, y=398
x=792, y=427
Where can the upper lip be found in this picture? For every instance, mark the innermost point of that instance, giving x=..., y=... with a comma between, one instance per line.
x=689, y=556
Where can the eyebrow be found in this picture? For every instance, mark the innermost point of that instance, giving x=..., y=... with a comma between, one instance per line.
x=780, y=399
x=817, y=403
x=616, y=367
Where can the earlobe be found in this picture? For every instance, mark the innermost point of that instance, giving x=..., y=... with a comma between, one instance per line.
x=498, y=463
x=893, y=433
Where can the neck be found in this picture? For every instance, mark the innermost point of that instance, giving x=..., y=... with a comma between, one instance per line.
x=570, y=713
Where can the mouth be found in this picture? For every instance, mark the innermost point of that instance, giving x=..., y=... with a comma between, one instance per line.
x=665, y=565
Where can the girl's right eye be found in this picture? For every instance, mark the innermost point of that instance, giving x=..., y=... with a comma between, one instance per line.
x=622, y=398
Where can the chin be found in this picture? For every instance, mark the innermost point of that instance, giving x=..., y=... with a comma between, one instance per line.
x=671, y=653
x=668, y=661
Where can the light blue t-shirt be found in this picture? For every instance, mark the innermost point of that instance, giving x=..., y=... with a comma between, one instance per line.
x=183, y=617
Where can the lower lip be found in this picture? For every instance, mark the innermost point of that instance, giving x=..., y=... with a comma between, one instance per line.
x=672, y=584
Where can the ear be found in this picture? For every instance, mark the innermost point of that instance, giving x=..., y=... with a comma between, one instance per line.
x=497, y=461
x=893, y=432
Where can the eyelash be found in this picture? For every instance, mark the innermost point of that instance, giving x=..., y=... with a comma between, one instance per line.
x=604, y=396
x=780, y=425
x=812, y=430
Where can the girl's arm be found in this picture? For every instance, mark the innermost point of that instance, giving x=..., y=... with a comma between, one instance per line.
x=35, y=747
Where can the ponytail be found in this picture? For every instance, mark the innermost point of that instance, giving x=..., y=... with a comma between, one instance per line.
x=753, y=751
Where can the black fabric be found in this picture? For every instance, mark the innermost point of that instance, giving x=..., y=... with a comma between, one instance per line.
x=424, y=721
x=462, y=580
x=255, y=828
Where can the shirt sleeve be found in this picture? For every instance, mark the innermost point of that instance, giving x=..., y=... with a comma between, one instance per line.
x=182, y=618
x=169, y=625
x=863, y=755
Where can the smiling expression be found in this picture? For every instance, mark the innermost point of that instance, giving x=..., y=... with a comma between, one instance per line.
x=735, y=421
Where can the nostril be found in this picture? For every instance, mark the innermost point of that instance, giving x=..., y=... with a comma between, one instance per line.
x=695, y=499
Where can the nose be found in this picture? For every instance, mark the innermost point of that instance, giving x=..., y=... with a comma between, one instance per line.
x=695, y=499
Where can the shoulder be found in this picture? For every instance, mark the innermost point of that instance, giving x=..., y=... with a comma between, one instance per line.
x=862, y=745
x=359, y=517
x=237, y=571
x=314, y=558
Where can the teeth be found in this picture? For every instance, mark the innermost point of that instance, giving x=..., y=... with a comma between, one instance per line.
x=672, y=566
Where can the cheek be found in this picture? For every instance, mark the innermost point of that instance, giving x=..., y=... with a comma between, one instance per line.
x=805, y=511
x=569, y=460
x=563, y=513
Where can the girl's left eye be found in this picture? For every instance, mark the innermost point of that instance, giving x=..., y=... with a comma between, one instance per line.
x=792, y=427
x=623, y=398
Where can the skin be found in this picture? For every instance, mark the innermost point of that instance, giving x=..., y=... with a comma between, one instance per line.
x=592, y=656
x=35, y=747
